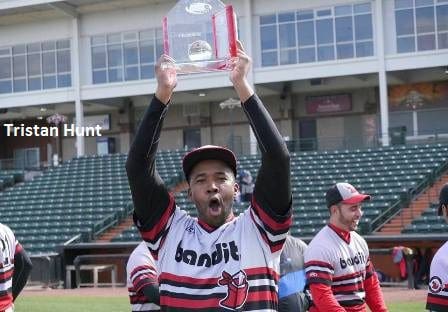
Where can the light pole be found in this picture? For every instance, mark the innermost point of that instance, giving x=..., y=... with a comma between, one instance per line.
x=230, y=104
x=57, y=120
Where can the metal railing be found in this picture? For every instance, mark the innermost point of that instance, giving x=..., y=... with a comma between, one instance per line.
x=243, y=146
x=46, y=270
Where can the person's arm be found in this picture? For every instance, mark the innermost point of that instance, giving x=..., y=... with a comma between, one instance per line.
x=324, y=299
x=319, y=275
x=151, y=291
x=297, y=302
x=22, y=270
x=151, y=199
x=272, y=187
x=374, y=296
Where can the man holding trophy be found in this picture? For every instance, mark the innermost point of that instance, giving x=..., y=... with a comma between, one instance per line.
x=218, y=260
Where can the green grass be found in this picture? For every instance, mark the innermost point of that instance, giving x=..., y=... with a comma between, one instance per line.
x=406, y=306
x=121, y=304
x=72, y=304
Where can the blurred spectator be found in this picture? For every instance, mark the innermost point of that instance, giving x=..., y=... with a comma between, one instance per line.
x=292, y=277
x=421, y=266
x=246, y=185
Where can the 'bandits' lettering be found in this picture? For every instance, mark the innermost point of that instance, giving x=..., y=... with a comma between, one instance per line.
x=223, y=252
x=359, y=258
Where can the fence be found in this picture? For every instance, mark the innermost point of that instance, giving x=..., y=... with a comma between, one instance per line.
x=46, y=270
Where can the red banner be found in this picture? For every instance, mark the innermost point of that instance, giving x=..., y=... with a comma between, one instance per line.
x=328, y=104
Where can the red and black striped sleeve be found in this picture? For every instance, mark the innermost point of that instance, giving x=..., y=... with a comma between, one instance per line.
x=142, y=276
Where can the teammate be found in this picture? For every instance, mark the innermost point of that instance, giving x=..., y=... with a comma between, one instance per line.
x=438, y=283
x=292, y=282
x=218, y=260
x=337, y=264
x=141, y=280
x=15, y=267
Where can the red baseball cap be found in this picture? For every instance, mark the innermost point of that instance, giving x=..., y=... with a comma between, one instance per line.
x=207, y=152
x=344, y=193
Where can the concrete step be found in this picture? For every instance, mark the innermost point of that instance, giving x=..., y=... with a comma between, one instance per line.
x=415, y=209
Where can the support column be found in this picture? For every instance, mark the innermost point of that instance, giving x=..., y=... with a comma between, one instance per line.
x=415, y=122
x=248, y=44
x=382, y=75
x=76, y=82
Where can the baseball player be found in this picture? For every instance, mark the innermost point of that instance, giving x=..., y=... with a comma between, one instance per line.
x=438, y=283
x=15, y=267
x=339, y=272
x=141, y=280
x=218, y=261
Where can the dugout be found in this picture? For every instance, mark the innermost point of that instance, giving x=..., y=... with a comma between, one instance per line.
x=99, y=254
x=117, y=254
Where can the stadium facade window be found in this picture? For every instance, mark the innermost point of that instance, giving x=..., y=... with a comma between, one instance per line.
x=304, y=36
x=35, y=66
x=125, y=56
x=421, y=25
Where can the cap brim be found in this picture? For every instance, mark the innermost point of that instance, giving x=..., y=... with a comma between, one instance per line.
x=213, y=152
x=356, y=199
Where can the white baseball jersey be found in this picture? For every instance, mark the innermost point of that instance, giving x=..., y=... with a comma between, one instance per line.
x=344, y=266
x=438, y=283
x=9, y=246
x=234, y=267
x=141, y=271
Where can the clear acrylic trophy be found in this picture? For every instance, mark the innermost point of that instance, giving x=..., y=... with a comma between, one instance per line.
x=200, y=35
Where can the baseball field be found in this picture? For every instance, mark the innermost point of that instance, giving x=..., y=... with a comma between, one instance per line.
x=116, y=300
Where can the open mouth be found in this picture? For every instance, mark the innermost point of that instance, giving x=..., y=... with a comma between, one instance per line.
x=214, y=204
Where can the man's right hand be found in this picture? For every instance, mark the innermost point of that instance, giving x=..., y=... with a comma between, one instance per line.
x=166, y=78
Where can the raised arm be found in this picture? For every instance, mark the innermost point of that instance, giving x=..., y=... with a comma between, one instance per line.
x=149, y=194
x=273, y=186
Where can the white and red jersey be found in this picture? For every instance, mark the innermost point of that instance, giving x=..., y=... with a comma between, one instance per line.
x=438, y=283
x=235, y=267
x=9, y=246
x=141, y=271
x=343, y=265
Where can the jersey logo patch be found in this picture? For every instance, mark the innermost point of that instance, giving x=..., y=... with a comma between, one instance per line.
x=435, y=285
x=237, y=290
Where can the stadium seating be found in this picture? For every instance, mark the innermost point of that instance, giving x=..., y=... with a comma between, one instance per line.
x=10, y=177
x=85, y=196
x=428, y=222
x=385, y=173
x=74, y=200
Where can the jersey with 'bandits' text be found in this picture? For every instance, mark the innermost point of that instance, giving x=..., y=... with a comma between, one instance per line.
x=236, y=266
x=331, y=260
x=141, y=271
x=438, y=283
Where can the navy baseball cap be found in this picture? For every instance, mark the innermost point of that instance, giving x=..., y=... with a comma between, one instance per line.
x=443, y=198
x=344, y=193
x=208, y=152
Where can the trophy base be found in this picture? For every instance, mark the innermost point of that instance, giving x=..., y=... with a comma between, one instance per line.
x=202, y=67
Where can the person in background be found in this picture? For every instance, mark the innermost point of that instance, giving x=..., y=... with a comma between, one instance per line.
x=141, y=280
x=15, y=268
x=437, y=299
x=291, y=285
x=246, y=185
x=338, y=269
